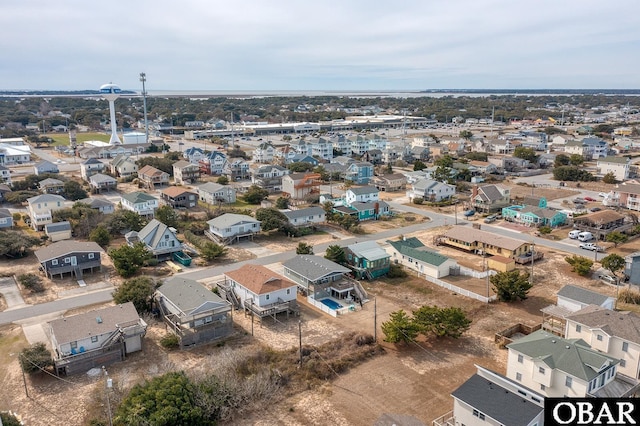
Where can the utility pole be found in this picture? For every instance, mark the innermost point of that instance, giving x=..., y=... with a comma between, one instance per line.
x=143, y=79
x=107, y=387
x=300, y=339
x=24, y=378
x=533, y=248
x=375, y=318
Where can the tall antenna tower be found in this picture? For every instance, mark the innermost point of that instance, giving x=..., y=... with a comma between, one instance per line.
x=143, y=79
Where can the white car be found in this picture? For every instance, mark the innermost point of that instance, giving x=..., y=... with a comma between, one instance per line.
x=602, y=194
x=608, y=278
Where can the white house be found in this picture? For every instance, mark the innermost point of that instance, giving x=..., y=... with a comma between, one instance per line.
x=231, y=226
x=140, y=202
x=260, y=286
x=619, y=166
x=363, y=194
x=158, y=238
x=413, y=254
x=431, y=190
x=40, y=209
x=91, y=167
x=5, y=176
x=214, y=193
x=14, y=154
x=44, y=166
x=306, y=217
x=574, y=298
x=264, y=153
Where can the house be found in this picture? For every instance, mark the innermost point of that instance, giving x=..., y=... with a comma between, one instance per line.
x=389, y=182
x=477, y=241
x=301, y=158
x=571, y=299
x=315, y=275
x=140, y=202
x=5, y=176
x=619, y=166
x=150, y=176
x=632, y=268
x=302, y=147
x=51, y=186
x=230, y=227
x=359, y=172
x=194, y=154
x=44, y=166
x=361, y=194
x=367, y=259
x=123, y=166
x=322, y=149
x=179, y=197
x=484, y=167
x=4, y=189
x=158, y=238
x=71, y=257
x=305, y=217
x=237, y=169
x=371, y=210
x=624, y=195
x=213, y=163
x=40, y=209
x=6, y=219
x=262, y=292
x=489, y=398
x=615, y=333
x=90, y=167
x=534, y=216
x=101, y=204
x=557, y=367
x=591, y=148
x=193, y=312
x=58, y=231
x=264, y=153
x=299, y=186
x=412, y=253
x=373, y=156
x=431, y=190
x=100, y=183
x=420, y=153
x=490, y=198
x=185, y=172
x=214, y=193
x=602, y=223
x=269, y=177
x=96, y=338
x=14, y=154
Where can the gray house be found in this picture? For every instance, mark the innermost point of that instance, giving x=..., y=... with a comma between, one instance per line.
x=100, y=182
x=192, y=312
x=318, y=277
x=159, y=239
x=69, y=257
x=632, y=268
x=214, y=193
x=102, y=205
x=230, y=227
x=45, y=167
x=6, y=218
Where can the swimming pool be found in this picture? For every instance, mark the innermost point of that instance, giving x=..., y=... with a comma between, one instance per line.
x=331, y=303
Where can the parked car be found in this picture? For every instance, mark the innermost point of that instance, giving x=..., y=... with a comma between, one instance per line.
x=490, y=219
x=469, y=213
x=579, y=200
x=589, y=199
x=591, y=246
x=608, y=278
x=602, y=194
x=595, y=209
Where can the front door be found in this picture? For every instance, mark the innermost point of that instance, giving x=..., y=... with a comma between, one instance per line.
x=74, y=260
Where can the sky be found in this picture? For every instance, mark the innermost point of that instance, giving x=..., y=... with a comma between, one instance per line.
x=341, y=45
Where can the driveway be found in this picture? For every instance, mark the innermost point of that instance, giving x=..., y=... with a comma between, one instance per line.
x=11, y=293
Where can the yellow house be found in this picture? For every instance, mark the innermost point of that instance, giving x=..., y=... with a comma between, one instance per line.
x=477, y=241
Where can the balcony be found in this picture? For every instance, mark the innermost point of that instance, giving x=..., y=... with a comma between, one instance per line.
x=446, y=419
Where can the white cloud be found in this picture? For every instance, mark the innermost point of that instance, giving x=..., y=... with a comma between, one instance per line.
x=348, y=44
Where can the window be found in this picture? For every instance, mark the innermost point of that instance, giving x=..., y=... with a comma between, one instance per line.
x=542, y=387
x=568, y=381
x=578, y=328
x=625, y=346
x=67, y=260
x=94, y=339
x=541, y=370
x=599, y=337
x=623, y=363
x=288, y=291
x=520, y=358
x=74, y=345
x=54, y=262
x=267, y=297
x=90, y=255
x=519, y=377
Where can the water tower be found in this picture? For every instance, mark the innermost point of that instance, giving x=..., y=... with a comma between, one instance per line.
x=111, y=92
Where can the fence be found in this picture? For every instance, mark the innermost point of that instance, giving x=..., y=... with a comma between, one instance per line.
x=324, y=308
x=475, y=274
x=461, y=291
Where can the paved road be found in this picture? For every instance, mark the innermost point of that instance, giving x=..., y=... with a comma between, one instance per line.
x=100, y=296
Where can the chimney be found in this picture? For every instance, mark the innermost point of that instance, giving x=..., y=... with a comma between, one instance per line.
x=474, y=191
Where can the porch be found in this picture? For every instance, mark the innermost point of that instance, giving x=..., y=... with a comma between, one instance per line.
x=447, y=419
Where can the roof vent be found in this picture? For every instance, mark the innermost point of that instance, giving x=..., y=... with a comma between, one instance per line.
x=99, y=320
x=568, y=347
x=553, y=341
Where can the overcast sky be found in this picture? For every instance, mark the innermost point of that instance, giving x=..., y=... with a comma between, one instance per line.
x=320, y=45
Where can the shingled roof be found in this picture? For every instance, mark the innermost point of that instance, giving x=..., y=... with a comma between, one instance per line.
x=259, y=279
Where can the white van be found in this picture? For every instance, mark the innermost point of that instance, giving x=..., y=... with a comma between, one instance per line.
x=585, y=236
x=574, y=234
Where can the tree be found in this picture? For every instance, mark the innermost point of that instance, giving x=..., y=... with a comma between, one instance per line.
x=128, y=260
x=476, y=156
x=100, y=236
x=613, y=263
x=572, y=173
x=419, y=165
x=466, y=134
x=388, y=169
x=211, y=250
x=19, y=197
x=35, y=358
x=8, y=419
x=545, y=230
x=576, y=160
x=616, y=238
x=526, y=154
x=304, y=248
x=282, y=203
x=16, y=244
x=271, y=218
x=511, y=286
x=336, y=254
x=300, y=167
x=31, y=282
x=137, y=290
x=561, y=160
x=163, y=401
x=167, y=215
x=609, y=178
x=164, y=164
x=121, y=221
x=443, y=322
x=255, y=195
x=400, y=328
x=223, y=180
x=73, y=191
x=579, y=264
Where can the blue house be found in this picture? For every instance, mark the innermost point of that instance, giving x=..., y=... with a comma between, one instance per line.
x=302, y=158
x=370, y=210
x=534, y=216
x=359, y=172
x=368, y=259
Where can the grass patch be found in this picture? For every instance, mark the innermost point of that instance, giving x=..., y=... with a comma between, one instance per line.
x=62, y=139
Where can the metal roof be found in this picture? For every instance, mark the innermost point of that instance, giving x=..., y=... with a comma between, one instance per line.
x=62, y=248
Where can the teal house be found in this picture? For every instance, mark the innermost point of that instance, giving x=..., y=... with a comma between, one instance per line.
x=534, y=216
x=367, y=260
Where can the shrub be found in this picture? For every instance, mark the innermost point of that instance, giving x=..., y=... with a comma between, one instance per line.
x=396, y=271
x=545, y=230
x=35, y=358
x=170, y=341
x=418, y=200
x=31, y=282
x=410, y=218
x=629, y=296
